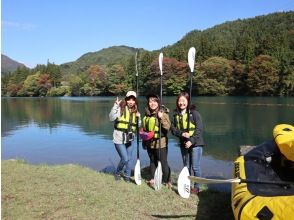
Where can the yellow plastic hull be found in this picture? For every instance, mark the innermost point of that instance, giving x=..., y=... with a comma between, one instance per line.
x=247, y=206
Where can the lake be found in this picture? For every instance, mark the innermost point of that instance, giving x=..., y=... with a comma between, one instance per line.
x=77, y=130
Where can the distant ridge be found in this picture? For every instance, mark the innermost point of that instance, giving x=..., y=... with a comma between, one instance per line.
x=105, y=57
x=9, y=65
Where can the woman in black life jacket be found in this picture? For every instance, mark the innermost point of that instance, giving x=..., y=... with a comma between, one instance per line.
x=191, y=141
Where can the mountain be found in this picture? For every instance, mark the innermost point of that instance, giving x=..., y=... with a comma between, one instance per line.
x=105, y=57
x=9, y=65
x=240, y=40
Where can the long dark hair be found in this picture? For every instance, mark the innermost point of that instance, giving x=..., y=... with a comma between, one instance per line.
x=186, y=95
x=123, y=105
x=148, y=111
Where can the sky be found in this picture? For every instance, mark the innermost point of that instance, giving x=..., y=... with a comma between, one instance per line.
x=61, y=31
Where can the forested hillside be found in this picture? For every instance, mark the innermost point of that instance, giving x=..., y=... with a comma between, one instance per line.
x=8, y=65
x=244, y=57
x=105, y=57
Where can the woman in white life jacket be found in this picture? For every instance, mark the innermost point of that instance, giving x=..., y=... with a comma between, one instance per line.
x=191, y=139
x=124, y=113
x=154, y=115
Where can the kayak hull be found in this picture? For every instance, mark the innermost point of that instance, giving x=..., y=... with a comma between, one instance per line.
x=261, y=201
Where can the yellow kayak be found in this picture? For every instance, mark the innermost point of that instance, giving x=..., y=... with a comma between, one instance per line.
x=268, y=192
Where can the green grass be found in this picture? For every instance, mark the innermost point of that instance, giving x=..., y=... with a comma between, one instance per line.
x=75, y=192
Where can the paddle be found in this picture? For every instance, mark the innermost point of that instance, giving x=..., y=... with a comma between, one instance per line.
x=184, y=183
x=137, y=171
x=235, y=180
x=158, y=171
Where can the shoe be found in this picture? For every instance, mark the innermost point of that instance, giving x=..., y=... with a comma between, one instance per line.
x=127, y=179
x=169, y=185
x=195, y=191
x=150, y=183
x=117, y=177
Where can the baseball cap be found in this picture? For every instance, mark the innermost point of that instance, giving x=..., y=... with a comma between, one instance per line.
x=131, y=93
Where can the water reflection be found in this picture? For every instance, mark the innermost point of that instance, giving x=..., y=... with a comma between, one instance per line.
x=77, y=130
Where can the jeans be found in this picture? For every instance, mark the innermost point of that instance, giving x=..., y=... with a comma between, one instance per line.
x=125, y=152
x=192, y=158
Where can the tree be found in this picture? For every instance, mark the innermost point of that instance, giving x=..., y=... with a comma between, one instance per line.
x=244, y=51
x=44, y=84
x=263, y=76
x=117, y=80
x=131, y=74
x=13, y=89
x=144, y=65
x=95, y=80
x=75, y=84
x=19, y=76
x=215, y=77
x=30, y=86
x=238, y=80
x=175, y=76
x=54, y=72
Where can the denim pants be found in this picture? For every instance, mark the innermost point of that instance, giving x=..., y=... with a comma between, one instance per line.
x=125, y=152
x=191, y=159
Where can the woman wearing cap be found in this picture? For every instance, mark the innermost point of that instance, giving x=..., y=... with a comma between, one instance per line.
x=191, y=141
x=124, y=113
x=150, y=137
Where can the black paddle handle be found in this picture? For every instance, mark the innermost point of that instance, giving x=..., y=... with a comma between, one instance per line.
x=137, y=125
x=281, y=183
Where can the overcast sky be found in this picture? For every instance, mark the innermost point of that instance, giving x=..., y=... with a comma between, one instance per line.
x=33, y=31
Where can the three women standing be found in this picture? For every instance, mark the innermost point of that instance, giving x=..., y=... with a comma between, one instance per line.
x=124, y=113
x=186, y=125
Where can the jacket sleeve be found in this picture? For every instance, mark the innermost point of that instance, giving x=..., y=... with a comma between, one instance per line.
x=165, y=122
x=176, y=132
x=197, y=138
x=114, y=113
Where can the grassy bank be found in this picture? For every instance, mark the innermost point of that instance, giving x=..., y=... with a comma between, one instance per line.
x=75, y=192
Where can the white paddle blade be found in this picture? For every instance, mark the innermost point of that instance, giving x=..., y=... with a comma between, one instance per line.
x=191, y=58
x=160, y=59
x=158, y=177
x=137, y=173
x=184, y=183
x=213, y=181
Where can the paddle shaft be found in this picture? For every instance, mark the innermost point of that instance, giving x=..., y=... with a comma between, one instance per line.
x=160, y=103
x=237, y=180
x=281, y=183
x=137, y=118
x=191, y=62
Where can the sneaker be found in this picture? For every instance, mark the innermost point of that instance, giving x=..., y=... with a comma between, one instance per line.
x=169, y=185
x=117, y=177
x=195, y=191
x=127, y=179
x=150, y=183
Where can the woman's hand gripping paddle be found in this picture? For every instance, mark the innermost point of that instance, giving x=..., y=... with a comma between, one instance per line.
x=158, y=171
x=137, y=171
x=184, y=183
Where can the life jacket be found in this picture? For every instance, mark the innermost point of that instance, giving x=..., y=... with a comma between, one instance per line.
x=182, y=123
x=150, y=123
x=126, y=122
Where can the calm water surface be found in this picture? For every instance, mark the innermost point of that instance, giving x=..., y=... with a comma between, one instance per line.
x=77, y=130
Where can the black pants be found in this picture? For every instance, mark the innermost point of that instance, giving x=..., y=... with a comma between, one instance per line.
x=156, y=155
